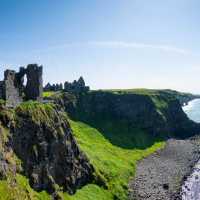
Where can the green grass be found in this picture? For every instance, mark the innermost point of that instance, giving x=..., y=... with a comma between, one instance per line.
x=145, y=91
x=89, y=192
x=18, y=188
x=38, y=112
x=142, y=91
x=48, y=94
x=114, y=165
x=122, y=134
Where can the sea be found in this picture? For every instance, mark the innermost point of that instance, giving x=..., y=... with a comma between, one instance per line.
x=192, y=109
x=191, y=187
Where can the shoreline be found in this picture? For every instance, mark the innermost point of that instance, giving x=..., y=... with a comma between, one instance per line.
x=160, y=176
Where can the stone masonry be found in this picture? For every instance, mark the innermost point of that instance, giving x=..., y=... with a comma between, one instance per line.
x=77, y=86
x=13, y=90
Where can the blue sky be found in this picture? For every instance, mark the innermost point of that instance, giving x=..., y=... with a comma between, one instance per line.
x=112, y=43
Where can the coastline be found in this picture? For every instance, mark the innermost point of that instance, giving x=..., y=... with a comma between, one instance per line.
x=161, y=175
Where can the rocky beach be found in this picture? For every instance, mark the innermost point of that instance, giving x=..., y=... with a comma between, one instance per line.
x=161, y=175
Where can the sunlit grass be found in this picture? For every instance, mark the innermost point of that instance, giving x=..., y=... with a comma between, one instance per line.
x=48, y=94
x=115, y=165
x=18, y=188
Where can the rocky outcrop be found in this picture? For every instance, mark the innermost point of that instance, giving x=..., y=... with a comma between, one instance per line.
x=8, y=159
x=43, y=140
x=36, y=140
x=5, y=153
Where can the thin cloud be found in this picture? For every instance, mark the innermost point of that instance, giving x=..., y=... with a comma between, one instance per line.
x=119, y=44
x=115, y=44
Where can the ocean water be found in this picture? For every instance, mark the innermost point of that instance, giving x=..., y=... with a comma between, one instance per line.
x=193, y=110
x=191, y=188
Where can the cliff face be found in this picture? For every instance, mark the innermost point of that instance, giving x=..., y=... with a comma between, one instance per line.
x=8, y=159
x=158, y=114
x=43, y=140
x=183, y=97
x=40, y=138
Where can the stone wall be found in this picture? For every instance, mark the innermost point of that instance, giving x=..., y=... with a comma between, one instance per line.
x=12, y=92
x=53, y=87
x=1, y=89
x=34, y=87
x=12, y=88
x=77, y=86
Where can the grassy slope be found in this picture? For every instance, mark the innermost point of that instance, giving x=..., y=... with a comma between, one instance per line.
x=116, y=165
x=20, y=190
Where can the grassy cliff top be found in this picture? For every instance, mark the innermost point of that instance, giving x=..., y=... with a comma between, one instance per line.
x=167, y=93
x=141, y=91
x=150, y=92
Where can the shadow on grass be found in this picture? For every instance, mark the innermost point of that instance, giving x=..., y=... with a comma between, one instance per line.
x=121, y=133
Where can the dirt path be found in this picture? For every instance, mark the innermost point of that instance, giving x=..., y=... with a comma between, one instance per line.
x=159, y=176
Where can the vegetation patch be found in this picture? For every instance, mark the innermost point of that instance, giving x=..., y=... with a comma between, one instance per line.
x=18, y=188
x=48, y=94
x=38, y=112
x=114, y=165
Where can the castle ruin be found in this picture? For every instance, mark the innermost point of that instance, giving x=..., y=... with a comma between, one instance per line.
x=76, y=87
x=13, y=89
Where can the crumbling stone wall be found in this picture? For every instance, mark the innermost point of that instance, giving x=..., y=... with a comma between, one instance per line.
x=53, y=87
x=34, y=87
x=74, y=87
x=1, y=89
x=12, y=89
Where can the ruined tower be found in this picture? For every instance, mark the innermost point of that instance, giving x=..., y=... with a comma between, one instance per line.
x=13, y=90
x=34, y=87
